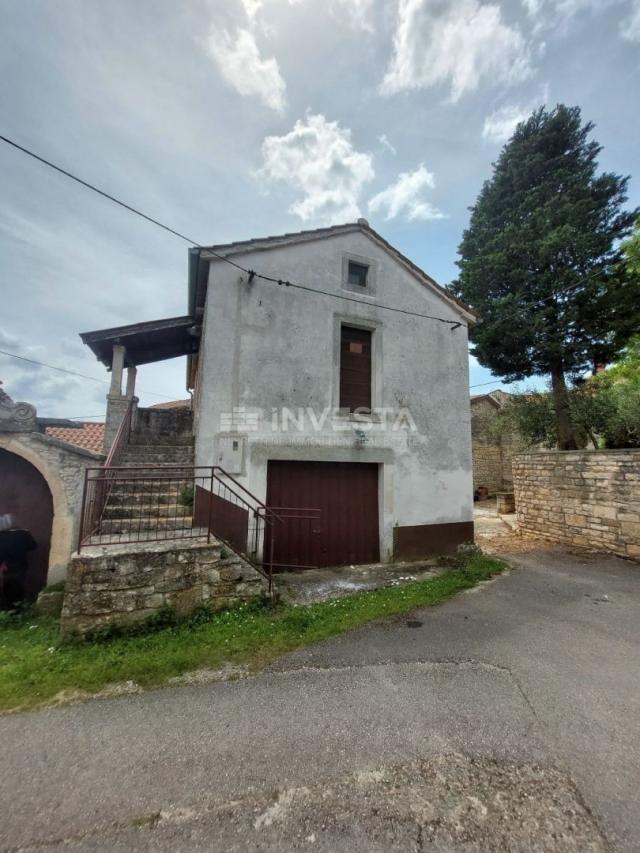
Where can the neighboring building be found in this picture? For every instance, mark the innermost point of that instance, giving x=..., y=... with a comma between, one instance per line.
x=492, y=449
x=42, y=466
x=88, y=435
x=316, y=398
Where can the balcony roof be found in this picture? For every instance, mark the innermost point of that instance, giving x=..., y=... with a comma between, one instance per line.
x=155, y=340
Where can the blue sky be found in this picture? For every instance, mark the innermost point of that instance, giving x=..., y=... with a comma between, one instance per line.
x=241, y=118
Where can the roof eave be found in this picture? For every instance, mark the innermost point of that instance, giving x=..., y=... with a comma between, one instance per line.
x=265, y=243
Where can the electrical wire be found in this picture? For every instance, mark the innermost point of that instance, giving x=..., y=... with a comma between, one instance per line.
x=74, y=373
x=251, y=273
x=480, y=384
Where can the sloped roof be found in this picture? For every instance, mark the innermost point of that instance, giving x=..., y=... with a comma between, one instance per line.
x=173, y=404
x=259, y=243
x=475, y=398
x=153, y=340
x=87, y=435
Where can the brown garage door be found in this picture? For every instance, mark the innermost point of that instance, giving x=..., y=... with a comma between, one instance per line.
x=346, y=529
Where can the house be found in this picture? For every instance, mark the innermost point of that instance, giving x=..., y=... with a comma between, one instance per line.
x=329, y=377
x=492, y=448
x=42, y=469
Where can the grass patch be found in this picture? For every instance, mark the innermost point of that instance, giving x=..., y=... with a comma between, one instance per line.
x=35, y=665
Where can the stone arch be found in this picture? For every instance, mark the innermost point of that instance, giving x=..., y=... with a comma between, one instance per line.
x=63, y=526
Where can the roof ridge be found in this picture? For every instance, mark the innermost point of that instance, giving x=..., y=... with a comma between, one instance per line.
x=362, y=225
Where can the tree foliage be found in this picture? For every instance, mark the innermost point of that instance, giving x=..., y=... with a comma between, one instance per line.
x=605, y=409
x=631, y=253
x=541, y=260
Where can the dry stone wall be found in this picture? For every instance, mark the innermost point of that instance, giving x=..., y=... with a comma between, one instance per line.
x=128, y=584
x=588, y=497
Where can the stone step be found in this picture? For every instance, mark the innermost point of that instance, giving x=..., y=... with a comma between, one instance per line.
x=160, y=446
x=154, y=460
x=132, y=499
x=147, y=510
x=162, y=439
x=147, y=524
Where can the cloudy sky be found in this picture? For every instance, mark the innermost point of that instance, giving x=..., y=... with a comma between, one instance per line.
x=230, y=119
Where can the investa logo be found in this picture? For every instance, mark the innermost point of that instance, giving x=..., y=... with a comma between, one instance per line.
x=307, y=419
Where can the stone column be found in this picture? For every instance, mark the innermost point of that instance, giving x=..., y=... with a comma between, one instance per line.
x=117, y=366
x=116, y=401
x=131, y=382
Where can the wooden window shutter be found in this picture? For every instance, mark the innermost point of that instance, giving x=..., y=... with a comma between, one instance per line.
x=355, y=369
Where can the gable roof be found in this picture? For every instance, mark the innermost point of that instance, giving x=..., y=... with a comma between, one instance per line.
x=490, y=397
x=276, y=241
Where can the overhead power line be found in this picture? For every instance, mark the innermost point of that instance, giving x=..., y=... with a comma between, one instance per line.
x=96, y=189
x=74, y=373
x=480, y=384
x=251, y=273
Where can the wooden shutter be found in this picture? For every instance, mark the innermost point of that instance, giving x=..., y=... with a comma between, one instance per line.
x=355, y=369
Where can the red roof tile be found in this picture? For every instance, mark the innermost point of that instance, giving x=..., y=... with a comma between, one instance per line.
x=87, y=435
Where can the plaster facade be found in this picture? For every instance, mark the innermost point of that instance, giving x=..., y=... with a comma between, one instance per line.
x=269, y=349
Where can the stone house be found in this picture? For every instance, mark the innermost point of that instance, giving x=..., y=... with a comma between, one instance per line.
x=330, y=377
x=492, y=450
x=42, y=466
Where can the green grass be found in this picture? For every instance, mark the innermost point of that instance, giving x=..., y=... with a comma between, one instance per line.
x=35, y=665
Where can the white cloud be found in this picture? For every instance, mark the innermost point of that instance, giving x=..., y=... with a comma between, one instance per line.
x=383, y=139
x=251, y=7
x=547, y=14
x=500, y=124
x=405, y=197
x=630, y=28
x=458, y=43
x=241, y=65
x=355, y=13
x=318, y=160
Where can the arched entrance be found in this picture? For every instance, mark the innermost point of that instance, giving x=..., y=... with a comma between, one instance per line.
x=24, y=494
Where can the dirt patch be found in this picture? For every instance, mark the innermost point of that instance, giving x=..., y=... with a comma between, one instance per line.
x=496, y=537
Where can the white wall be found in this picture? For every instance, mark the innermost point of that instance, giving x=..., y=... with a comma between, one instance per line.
x=266, y=347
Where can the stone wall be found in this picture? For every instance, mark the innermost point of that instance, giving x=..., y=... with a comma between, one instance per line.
x=487, y=468
x=130, y=583
x=588, y=497
x=492, y=451
x=488, y=463
x=62, y=466
x=158, y=426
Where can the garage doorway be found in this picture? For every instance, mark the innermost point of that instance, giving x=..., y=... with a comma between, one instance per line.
x=25, y=495
x=344, y=530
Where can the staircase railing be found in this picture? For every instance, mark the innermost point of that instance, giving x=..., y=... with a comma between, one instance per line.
x=152, y=503
x=96, y=495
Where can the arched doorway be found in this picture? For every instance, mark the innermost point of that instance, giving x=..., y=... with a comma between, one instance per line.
x=25, y=494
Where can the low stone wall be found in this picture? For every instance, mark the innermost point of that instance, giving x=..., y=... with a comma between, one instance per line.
x=130, y=583
x=587, y=497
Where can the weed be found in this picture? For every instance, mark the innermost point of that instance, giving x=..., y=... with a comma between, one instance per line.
x=35, y=666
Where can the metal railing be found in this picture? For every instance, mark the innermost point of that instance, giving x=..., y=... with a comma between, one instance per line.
x=151, y=503
x=92, y=509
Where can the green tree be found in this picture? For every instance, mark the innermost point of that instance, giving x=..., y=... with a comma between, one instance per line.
x=631, y=252
x=618, y=391
x=541, y=260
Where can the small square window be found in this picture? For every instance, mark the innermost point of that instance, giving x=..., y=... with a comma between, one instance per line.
x=357, y=274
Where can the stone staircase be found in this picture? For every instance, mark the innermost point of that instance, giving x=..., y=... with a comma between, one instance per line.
x=160, y=504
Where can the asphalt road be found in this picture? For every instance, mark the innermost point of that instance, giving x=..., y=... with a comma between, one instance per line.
x=508, y=718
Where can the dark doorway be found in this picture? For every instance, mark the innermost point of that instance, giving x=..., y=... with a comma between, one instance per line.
x=346, y=529
x=25, y=495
